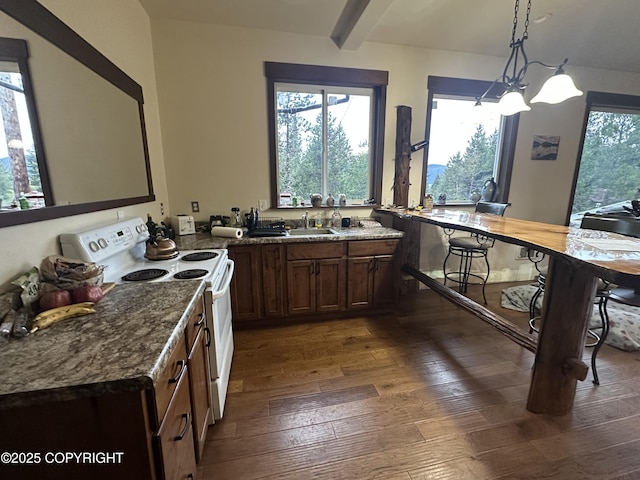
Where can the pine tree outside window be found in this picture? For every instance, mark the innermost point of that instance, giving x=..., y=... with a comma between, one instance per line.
x=326, y=126
x=467, y=144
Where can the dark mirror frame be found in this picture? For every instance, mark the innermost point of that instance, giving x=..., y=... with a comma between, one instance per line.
x=34, y=16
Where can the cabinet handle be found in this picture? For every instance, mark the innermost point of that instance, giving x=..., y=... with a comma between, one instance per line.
x=191, y=475
x=317, y=268
x=375, y=263
x=200, y=320
x=208, y=332
x=183, y=365
x=372, y=265
x=186, y=427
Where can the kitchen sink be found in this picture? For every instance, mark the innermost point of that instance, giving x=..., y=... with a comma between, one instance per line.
x=312, y=231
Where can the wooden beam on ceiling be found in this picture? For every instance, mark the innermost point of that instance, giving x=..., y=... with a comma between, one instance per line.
x=357, y=20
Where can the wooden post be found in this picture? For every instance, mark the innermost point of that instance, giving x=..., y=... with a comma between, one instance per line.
x=566, y=310
x=403, y=156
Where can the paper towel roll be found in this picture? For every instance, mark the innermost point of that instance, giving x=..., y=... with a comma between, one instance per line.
x=227, y=232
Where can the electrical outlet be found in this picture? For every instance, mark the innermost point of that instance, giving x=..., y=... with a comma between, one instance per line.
x=195, y=207
x=262, y=205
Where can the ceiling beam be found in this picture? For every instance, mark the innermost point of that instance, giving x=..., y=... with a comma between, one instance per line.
x=357, y=20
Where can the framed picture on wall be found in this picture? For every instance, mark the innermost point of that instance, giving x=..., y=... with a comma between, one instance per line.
x=545, y=147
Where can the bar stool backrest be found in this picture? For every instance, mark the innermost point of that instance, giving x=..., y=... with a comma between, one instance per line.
x=493, y=208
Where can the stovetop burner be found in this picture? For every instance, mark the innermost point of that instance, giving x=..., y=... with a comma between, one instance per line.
x=199, y=256
x=145, y=275
x=191, y=273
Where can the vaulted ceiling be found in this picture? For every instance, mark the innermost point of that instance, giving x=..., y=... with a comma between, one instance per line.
x=591, y=33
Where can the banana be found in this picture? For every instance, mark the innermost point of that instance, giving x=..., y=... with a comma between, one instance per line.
x=54, y=315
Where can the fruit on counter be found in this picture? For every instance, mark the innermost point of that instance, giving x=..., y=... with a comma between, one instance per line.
x=86, y=293
x=54, y=315
x=54, y=299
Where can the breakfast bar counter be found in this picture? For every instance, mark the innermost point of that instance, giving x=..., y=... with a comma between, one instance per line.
x=577, y=257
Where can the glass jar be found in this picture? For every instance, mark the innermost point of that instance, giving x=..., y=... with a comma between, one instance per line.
x=336, y=218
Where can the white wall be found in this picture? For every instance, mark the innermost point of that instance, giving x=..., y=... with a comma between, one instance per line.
x=120, y=29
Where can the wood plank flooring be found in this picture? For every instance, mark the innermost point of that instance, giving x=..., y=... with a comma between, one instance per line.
x=426, y=392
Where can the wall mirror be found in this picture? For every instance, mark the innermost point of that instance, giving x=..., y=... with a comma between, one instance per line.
x=89, y=145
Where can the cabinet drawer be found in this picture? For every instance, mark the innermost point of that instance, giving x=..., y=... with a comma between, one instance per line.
x=372, y=247
x=315, y=250
x=196, y=322
x=175, y=436
x=170, y=377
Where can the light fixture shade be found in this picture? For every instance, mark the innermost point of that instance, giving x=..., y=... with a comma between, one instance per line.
x=511, y=103
x=556, y=89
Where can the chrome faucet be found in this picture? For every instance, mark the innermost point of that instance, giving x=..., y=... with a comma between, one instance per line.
x=305, y=219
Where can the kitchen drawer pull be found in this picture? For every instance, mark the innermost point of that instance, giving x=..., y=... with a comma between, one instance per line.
x=183, y=365
x=208, y=332
x=186, y=426
x=200, y=320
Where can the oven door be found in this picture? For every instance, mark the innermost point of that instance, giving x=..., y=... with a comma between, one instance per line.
x=218, y=314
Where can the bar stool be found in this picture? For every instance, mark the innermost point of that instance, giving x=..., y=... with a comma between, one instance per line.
x=469, y=248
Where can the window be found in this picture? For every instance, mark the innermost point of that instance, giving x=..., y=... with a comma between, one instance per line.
x=326, y=128
x=467, y=144
x=608, y=171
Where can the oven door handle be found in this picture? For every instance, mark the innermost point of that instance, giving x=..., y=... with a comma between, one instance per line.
x=226, y=282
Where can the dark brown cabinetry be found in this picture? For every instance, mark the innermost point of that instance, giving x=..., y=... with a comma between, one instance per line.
x=246, y=285
x=316, y=278
x=372, y=273
x=258, y=287
x=198, y=363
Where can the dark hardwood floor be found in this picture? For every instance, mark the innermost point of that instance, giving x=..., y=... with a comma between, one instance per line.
x=428, y=392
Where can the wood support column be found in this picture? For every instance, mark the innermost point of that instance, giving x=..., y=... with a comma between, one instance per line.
x=566, y=310
x=403, y=156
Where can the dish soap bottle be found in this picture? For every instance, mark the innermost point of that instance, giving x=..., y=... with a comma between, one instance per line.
x=336, y=218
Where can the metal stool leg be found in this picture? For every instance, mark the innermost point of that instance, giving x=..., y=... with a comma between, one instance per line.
x=484, y=281
x=604, y=316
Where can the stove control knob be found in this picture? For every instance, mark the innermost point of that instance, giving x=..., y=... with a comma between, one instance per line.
x=102, y=242
x=141, y=228
x=94, y=246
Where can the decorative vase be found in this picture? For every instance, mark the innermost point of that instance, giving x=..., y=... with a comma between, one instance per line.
x=475, y=196
x=489, y=190
x=330, y=201
x=442, y=198
x=316, y=200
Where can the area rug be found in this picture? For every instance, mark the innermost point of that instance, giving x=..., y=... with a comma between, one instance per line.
x=624, y=320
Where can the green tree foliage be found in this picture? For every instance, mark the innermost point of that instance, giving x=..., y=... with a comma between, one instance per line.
x=466, y=172
x=300, y=153
x=610, y=163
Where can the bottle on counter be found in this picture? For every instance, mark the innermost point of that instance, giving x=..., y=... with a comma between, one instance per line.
x=336, y=218
x=235, y=220
x=24, y=204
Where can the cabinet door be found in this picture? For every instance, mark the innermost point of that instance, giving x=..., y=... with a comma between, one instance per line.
x=330, y=284
x=175, y=437
x=301, y=286
x=384, y=280
x=273, y=280
x=360, y=282
x=200, y=398
x=246, y=284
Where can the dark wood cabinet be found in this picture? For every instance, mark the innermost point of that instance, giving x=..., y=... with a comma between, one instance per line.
x=273, y=280
x=316, y=278
x=372, y=273
x=246, y=285
x=199, y=389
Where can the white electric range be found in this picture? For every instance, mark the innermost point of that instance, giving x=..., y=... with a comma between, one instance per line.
x=119, y=247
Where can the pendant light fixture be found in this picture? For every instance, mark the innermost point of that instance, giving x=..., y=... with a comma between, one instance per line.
x=556, y=89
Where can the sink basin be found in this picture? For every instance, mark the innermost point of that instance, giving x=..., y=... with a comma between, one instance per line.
x=312, y=231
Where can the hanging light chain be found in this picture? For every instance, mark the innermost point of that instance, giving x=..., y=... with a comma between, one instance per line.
x=525, y=34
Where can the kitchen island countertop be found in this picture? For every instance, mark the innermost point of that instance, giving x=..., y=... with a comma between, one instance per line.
x=200, y=241
x=124, y=346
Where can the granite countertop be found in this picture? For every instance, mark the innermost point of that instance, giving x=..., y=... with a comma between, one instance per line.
x=199, y=241
x=122, y=347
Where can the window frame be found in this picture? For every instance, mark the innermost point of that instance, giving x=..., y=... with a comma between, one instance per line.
x=463, y=87
x=293, y=73
x=595, y=99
